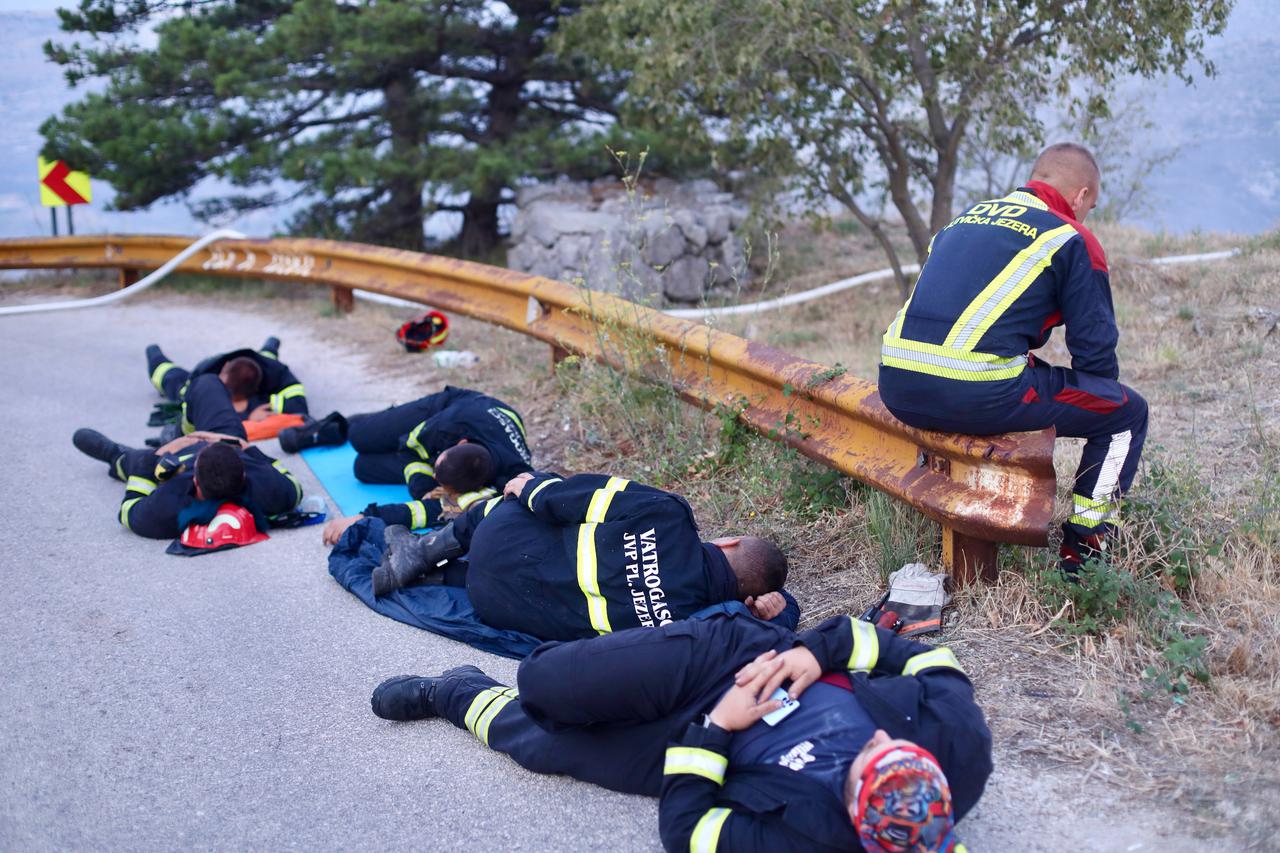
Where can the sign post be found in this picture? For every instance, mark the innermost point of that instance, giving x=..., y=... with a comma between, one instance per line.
x=61, y=187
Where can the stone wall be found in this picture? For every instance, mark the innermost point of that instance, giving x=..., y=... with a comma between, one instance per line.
x=663, y=240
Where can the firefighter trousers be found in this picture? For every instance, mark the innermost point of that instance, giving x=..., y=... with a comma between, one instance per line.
x=604, y=710
x=1111, y=416
x=376, y=437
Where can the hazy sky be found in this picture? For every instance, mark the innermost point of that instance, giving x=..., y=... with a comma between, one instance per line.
x=1225, y=175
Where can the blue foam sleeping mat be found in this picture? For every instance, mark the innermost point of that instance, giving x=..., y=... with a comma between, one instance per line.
x=333, y=468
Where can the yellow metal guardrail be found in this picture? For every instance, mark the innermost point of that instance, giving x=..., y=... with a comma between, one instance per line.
x=983, y=490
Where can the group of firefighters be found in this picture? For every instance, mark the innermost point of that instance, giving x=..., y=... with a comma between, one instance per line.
x=755, y=737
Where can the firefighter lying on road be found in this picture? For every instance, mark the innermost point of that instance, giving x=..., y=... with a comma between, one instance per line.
x=883, y=751
x=567, y=558
x=259, y=382
x=466, y=441
x=998, y=280
x=187, y=479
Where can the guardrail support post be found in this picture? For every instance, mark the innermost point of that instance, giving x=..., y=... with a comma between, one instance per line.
x=968, y=559
x=128, y=276
x=344, y=299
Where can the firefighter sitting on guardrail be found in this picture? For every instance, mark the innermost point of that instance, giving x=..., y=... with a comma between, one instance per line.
x=998, y=280
x=185, y=480
x=466, y=441
x=564, y=558
x=879, y=746
x=259, y=382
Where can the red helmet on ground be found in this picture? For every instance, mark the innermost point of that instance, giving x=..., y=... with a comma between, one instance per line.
x=231, y=526
x=429, y=330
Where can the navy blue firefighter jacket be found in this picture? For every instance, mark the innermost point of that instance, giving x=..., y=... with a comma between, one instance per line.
x=460, y=413
x=588, y=555
x=999, y=278
x=911, y=690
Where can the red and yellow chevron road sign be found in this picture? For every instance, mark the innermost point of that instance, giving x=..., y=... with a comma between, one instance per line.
x=60, y=186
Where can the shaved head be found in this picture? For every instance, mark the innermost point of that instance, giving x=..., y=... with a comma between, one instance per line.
x=1071, y=170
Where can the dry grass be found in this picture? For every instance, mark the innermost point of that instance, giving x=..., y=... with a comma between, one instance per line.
x=1199, y=341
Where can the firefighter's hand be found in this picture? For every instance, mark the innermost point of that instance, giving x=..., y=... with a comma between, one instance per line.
x=515, y=485
x=766, y=606
x=738, y=708
x=336, y=527
x=797, y=665
x=261, y=413
x=204, y=435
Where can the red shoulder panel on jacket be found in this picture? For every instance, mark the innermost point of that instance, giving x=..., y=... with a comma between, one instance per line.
x=1059, y=207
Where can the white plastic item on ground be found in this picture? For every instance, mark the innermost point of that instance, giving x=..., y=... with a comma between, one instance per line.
x=455, y=358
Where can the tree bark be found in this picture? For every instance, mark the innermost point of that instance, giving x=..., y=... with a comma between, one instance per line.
x=401, y=222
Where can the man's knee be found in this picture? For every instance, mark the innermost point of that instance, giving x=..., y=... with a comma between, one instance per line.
x=1137, y=406
x=373, y=468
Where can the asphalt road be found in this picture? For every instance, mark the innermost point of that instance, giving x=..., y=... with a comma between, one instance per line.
x=150, y=702
x=155, y=702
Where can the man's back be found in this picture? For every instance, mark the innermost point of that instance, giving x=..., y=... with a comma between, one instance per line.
x=594, y=555
x=999, y=278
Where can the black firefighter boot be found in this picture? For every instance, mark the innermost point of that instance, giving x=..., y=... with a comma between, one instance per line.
x=331, y=429
x=92, y=443
x=411, y=697
x=409, y=557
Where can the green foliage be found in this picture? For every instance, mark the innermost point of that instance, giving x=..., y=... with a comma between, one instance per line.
x=898, y=533
x=1168, y=532
x=360, y=110
x=865, y=101
x=1168, y=522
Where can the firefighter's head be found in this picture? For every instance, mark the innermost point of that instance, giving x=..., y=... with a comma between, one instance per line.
x=219, y=472
x=1071, y=170
x=242, y=376
x=759, y=565
x=899, y=799
x=463, y=468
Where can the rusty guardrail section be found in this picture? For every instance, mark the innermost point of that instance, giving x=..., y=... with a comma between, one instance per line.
x=983, y=490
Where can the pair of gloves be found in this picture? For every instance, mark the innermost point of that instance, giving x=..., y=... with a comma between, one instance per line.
x=913, y=605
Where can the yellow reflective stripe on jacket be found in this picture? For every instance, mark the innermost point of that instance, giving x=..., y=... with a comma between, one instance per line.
x=266, y=353
x=140, y=484
x=414, y=443
x=413, y=469
x=466, y=500
x=297, y=486
x=124, y=511
x=936, y=657
x=533, y=494
x=949, y=363
x=519, y=423
x=1019, y=197
x=490, y=504
x=417, y=514
x=187, y=426
x=706, y=835
x=1091, y=513
x=588, y=566
x=600, y=501
x=487, y=704
x=1003, y=290
x=866, y=646
x=286, y=393
x=698, y=762
x=589, y=580
x=157, y=375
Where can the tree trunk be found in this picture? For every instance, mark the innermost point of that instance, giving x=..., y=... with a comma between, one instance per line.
x=479, y=235
x=400, y=220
